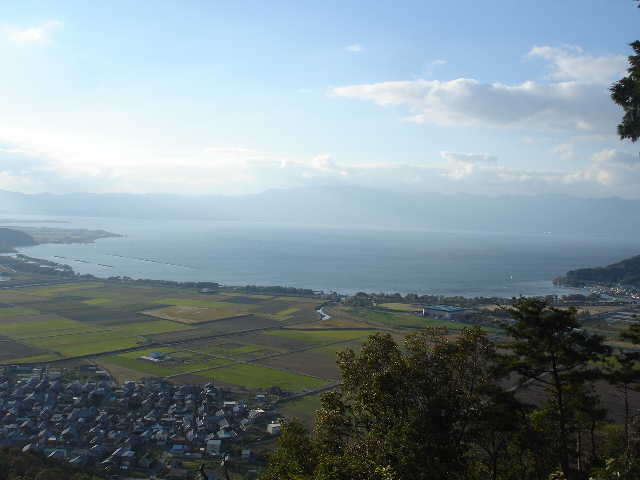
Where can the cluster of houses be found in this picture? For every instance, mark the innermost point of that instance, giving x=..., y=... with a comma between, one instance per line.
x=114, y=428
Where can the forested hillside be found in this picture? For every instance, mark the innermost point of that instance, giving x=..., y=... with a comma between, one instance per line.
x=13, y=238
x=625, y=272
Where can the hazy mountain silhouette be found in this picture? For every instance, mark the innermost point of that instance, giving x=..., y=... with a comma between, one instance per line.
x=353, y=206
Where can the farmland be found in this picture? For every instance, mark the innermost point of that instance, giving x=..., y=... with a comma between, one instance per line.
x=243, y=341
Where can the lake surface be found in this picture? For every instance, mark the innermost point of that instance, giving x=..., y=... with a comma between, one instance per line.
x=333, y=258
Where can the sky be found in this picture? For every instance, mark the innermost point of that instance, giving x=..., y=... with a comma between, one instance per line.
x=237, y=97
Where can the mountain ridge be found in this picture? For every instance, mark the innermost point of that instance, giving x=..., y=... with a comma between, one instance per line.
x=353, y=206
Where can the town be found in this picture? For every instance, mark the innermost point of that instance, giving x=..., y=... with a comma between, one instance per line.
x=150, y=427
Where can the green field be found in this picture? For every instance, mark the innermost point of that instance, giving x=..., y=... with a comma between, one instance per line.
x=241, y=340
x=320, y=336
x=15, y=312
x=256, y=376
x=400, y=307
x=391, y=319
x=302, y=409
x=180, y=362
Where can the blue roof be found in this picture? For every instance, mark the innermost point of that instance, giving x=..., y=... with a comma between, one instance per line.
x=445, y=308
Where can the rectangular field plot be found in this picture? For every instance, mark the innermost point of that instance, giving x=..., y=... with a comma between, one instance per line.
x=201, y=310
x=216, y=328
x=7, y=312
x=12, y=350
x=174, y=362
x=40, y=325
x=84, y=343
x=252, y=376
x=311, y=362
x=388, y=319
x=72, y=288
x=316, y=336
x=400, y=307
x=193, y=315
x=302, y=408
x=236, y=351
x=148, y=327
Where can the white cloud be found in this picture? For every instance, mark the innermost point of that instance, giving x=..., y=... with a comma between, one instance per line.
x=32, y=35
x=471, y=158
x=578, y=103
x=532, y=105
x=614, y=169
x=460, y=165
x=355, y=48
x=36, y=161
x=566, y=151
x=570, y=63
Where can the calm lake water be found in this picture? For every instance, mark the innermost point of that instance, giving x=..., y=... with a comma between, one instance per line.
x=333, y=258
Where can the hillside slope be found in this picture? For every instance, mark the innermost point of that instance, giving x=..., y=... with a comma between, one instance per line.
x=9, y=239
x=625, y=272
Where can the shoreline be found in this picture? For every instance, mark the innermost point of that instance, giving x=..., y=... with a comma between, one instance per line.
x=76, y=275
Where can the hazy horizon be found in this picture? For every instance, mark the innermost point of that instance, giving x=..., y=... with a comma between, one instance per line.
x=246, y=97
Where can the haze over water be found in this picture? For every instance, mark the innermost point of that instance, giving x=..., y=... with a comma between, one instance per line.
x=334, y=258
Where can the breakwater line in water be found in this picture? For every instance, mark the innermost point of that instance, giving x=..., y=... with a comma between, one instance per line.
x=151, y=260
x=83, y=261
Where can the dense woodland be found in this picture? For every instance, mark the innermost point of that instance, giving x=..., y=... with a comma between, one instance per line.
x=437, y=407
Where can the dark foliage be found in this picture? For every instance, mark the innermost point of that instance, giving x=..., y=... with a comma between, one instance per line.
x=626, y=93
x=441, y=408
x=16, y=465
x=9, y=239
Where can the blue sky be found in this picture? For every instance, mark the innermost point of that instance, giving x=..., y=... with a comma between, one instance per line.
x=241, y=96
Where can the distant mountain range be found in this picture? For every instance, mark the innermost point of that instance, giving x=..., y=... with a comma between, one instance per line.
x=354, y=206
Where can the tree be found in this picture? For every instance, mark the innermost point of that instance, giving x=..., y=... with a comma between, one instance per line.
x=294, y=458
x=409, y=412
x=626, y=93
x=623, y=372
x=548, y=348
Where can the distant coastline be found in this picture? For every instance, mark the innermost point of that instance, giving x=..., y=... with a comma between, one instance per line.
x=465, y=264
x=618, y=279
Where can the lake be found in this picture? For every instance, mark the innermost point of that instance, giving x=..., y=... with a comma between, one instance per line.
x=333, y=258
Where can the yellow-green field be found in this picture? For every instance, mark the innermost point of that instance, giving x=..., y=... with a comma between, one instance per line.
x=247, y=342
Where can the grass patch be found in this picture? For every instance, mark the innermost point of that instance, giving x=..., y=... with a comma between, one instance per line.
x=303, y=409
x=400, y=307
x=64, y=288
x=192, y=302
x=284, y=314
x=392, y=319
x=97, y=301
x=256, y=376
x=193, y=315
x=85, y=344
x=38, y=358
x=319, y=336
x=49, y=326
x=150, y=327
x=16, y=312
x=181, y=362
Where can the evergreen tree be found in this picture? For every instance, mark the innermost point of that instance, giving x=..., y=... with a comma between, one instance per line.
x=549, y=349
